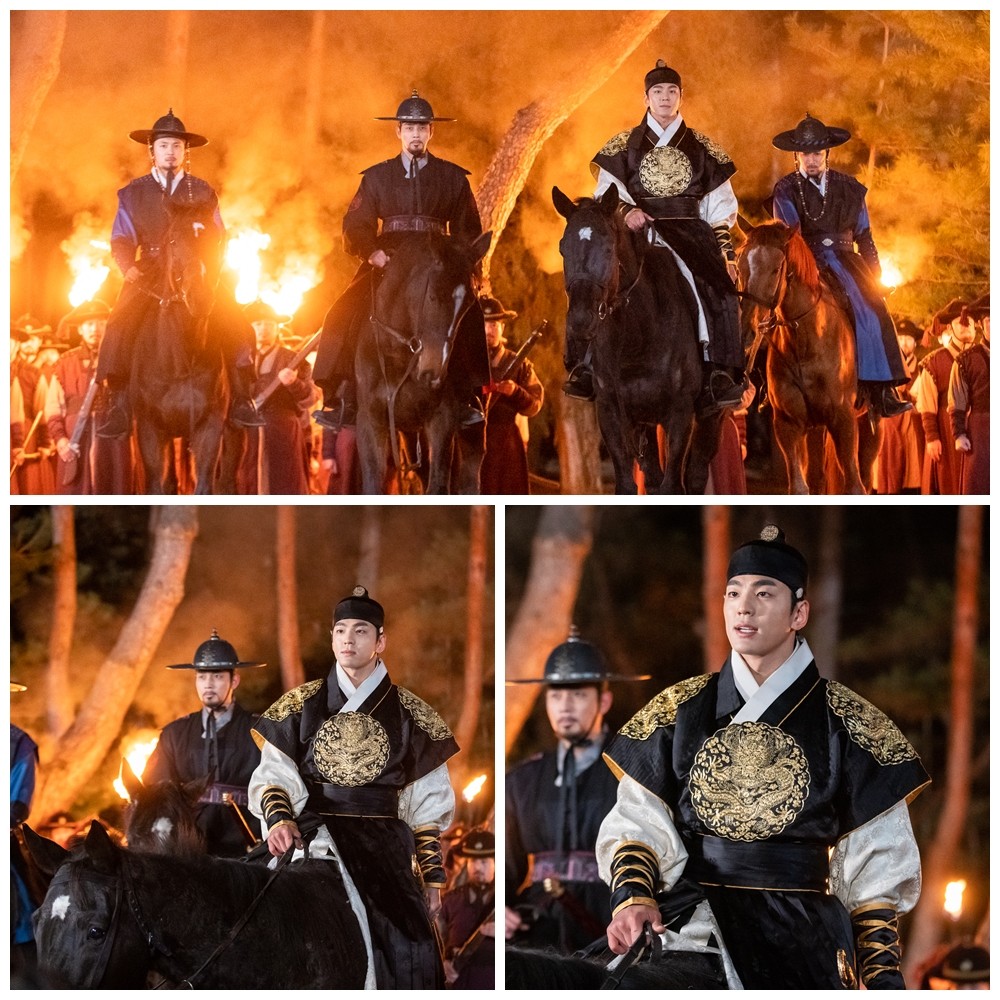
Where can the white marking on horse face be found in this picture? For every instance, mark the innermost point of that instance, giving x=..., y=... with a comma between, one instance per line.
x=60, y=907
x=163, y=828
x=585, y=233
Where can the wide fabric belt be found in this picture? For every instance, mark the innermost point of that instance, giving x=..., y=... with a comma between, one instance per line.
x=828, y=241
x=339, y=800
x=670, y=208
x=760, y=864
x=149, y=250
x=566, y=866
x=216, y=793
x=413, y=224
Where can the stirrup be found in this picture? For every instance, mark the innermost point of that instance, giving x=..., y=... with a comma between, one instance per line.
x=244, y=414
x=334, y=418
x=580, y=384
x=472, y=414
x=116, y=424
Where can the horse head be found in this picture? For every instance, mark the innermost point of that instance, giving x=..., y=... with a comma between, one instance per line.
x=591, y=250
x=424, y=294
x=160, y=817
x=192, y=256
x=775, y=253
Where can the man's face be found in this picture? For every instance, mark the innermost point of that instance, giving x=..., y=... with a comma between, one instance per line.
x=761, y=619
x=575, y=712
x=266, y=333
x=168, y=154
x=494, y=332
x=813, y=164
x=907, y=344
x=481, y=870
x=664, y=101
x=31, y=346
x=414, y=136
x=964, y=333
x=215, y=687
x=92, y=332
x=985, y=321
x=356, y=643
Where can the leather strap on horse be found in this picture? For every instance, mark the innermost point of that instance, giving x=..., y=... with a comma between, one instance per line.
x=646, y=941
x=241, y=923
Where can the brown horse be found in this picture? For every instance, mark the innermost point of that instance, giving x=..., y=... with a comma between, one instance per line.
x=811, y=370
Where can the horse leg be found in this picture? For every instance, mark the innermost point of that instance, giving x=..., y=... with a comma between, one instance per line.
x=678, y=427
x=441, y=433
x=618, y=436
x=373, y=450
x=206, y=446
x=790, y=440
x=155, y=455
x=470, y=445
x=844, y=431
x=704, y=445
x=869, y=446
x=817, y=467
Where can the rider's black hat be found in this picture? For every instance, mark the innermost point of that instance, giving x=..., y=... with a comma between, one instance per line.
x=413, y=109
x=360, y=605
x=810, y=136
x=661, y=73
x=214, y=654
x=170, y=126
x=771, y=555
x=577, y=661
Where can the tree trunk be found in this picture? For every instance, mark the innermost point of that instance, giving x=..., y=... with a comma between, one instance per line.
x=176, y=62
x=58, y=697
x=827, y=591
x=716, y=548
x=579, y=445
x=563, y=539
x=939, y=862
x=314, y=85
x=534, y=124
x=35, y=47
x=289, y=652
x=472, y=687
x=78, y=753
x=370, y=548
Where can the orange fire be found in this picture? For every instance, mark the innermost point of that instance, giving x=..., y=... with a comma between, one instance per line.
x=137, y=753
x=473, y=788
x=892, y=276
x=87, y=253
x=953, y=893
x=281, y=285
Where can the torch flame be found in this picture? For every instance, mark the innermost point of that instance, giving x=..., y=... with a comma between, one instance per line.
x=892, y=277
x=86, y=254
x=243, y=256
x=137, y=754
x=953, y=898
x=473, y=788
x=282, y=287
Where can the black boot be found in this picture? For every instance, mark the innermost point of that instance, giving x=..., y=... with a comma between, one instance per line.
x=580, y=384
x=473, y=412
x=719, y=390
x=242, y=411
x=890, y=405
x=341, y=412
x=117, y=420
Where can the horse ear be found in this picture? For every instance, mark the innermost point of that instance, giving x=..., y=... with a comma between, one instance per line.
x=564, y=206
x=48, y=855
x=100, y=848
x=610, y=199
x=745, y=224
x=132, y=782
x=193, y=790
x=479, y=247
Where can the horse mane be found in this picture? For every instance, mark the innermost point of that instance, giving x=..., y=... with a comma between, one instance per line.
x=788, y=239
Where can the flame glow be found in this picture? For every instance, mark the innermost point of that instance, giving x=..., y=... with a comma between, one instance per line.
x=473, y=788
x=953, y=892
x=892, y=277
x=87, y=253
x=137, y=753
x=281, y=286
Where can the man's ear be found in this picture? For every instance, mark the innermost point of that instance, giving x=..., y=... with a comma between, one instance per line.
x=800, y=615
x=607, y=698
x=236, y=680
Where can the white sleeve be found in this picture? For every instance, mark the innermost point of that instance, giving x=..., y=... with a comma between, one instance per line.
x=605, y=180
x=640, y=816
x=275, y=768
x=428, y=801
x=719, y=207
x=55, y=399
x=878, y=863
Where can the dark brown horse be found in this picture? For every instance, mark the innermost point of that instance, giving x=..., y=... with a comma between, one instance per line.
x=633, y=312
x=811, y=370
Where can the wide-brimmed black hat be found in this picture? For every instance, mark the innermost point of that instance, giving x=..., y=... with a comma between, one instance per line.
x=15, y=686
x=477, y=844
x=771, y=555
x=493, y=309
x=214, y=654
x=27, y=326
x=966, y=963
x=94, y=309
x=907, y=328
x=577, y=661
x=172, y=127
x=980, y=307
x=952, y=311
x=259, y=310
x=661, y=73
x=810, y=136
x=413, y=109
x=360, y=605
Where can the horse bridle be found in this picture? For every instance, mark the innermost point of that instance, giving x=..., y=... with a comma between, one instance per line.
x=610, y=298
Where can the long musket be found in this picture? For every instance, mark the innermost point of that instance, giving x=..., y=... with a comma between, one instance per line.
x=462, y=957
x=522, y=352
x=24, y=447
x=265, y=394
x=69, y=469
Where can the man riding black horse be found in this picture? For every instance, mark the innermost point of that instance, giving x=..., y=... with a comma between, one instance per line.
x=147, y=207
x=830, y=209
x=412, y=193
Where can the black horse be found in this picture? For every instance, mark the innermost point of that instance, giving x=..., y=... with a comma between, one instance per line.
x=112, y=917
x=178, y=386
x=632, y=310
x=160, y=818
x=409, y=371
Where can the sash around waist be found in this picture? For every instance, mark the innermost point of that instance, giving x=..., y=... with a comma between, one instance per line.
x=413, y=224
x=217, y=793
x=760, y=864
x=826, y=241
x=339, y=800
x=671, y=208
x=566, y=866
